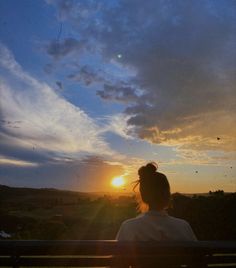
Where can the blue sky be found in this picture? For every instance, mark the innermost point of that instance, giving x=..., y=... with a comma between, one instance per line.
x=94, y=89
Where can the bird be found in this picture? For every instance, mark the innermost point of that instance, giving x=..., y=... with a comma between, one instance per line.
x=218, y=138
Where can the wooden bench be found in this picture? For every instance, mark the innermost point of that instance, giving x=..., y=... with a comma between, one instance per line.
x=116, y=254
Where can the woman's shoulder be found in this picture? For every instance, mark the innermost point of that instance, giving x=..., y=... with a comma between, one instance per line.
x=129, y=228
x=133, y=224
x=184, y=227
x=178, y=221
x=133, y=221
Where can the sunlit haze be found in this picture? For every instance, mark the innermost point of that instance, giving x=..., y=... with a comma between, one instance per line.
x=118, y=182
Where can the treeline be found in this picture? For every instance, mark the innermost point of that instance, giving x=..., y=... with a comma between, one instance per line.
x=211, y=216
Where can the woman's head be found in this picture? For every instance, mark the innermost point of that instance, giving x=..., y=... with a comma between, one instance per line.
x=154, y=187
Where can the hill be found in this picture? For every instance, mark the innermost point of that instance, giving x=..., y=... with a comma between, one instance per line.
x=28, y=213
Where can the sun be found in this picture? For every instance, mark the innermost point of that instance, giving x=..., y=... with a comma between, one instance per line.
x=118, y=182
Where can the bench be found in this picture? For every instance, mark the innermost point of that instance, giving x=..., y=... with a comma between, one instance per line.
x=116, y=254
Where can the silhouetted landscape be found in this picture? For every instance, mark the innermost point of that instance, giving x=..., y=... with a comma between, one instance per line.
x=28, y=213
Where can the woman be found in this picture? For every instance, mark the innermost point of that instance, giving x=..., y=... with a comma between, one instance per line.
x=155, y=224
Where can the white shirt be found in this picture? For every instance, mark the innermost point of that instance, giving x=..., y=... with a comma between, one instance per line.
x=154, y=225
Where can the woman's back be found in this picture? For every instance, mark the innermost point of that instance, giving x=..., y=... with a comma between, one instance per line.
x=154, y=225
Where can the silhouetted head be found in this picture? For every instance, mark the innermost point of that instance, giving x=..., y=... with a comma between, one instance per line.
x=154, y=187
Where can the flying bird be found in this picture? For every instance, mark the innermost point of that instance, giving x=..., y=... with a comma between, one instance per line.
x=218, y=138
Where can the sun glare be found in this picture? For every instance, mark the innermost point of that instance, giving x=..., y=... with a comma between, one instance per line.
x=118, y=182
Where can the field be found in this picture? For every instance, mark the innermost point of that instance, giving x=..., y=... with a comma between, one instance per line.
x=55, y=214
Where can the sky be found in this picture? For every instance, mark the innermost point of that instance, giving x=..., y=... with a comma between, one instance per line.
x=91, y=90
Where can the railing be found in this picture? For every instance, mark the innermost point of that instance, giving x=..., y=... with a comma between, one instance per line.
x=117, y=254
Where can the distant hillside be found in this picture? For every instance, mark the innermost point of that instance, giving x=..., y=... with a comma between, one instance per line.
x=21, y=195
x=37, y=191
x=28, y=213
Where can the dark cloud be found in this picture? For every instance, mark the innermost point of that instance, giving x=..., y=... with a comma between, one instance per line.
x=172, y=63
x=120, y=93
x=86, y=75
x=58, y=49
x=59, y=84
x=183, y=54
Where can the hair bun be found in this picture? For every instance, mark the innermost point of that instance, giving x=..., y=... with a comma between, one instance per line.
x=149, y=169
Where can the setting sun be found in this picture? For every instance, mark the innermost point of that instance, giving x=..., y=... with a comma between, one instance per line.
x=118, y=182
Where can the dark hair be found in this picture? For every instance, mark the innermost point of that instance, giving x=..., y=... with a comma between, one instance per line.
x=154, y=186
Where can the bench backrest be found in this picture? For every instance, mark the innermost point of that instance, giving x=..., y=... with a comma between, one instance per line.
x=119, y=254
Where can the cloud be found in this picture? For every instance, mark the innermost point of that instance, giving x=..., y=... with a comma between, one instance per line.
x=59, y=85
x=117, y=124
x=120, y=93
x=199, y=133
x=59, y=49
x=45, y=141
x=34, y=117
x=88, y=174
x=86, y=75
x=16, y=162
x=112, y=89
x=184, y=60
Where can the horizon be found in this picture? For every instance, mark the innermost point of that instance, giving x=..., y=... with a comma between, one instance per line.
x=112, y=192
x=92, y=90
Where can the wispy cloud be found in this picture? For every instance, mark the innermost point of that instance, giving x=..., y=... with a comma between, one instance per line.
x=45, y=140
x=39, y=118
x=88, y=174
x=117, y=124
x=16, y=162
